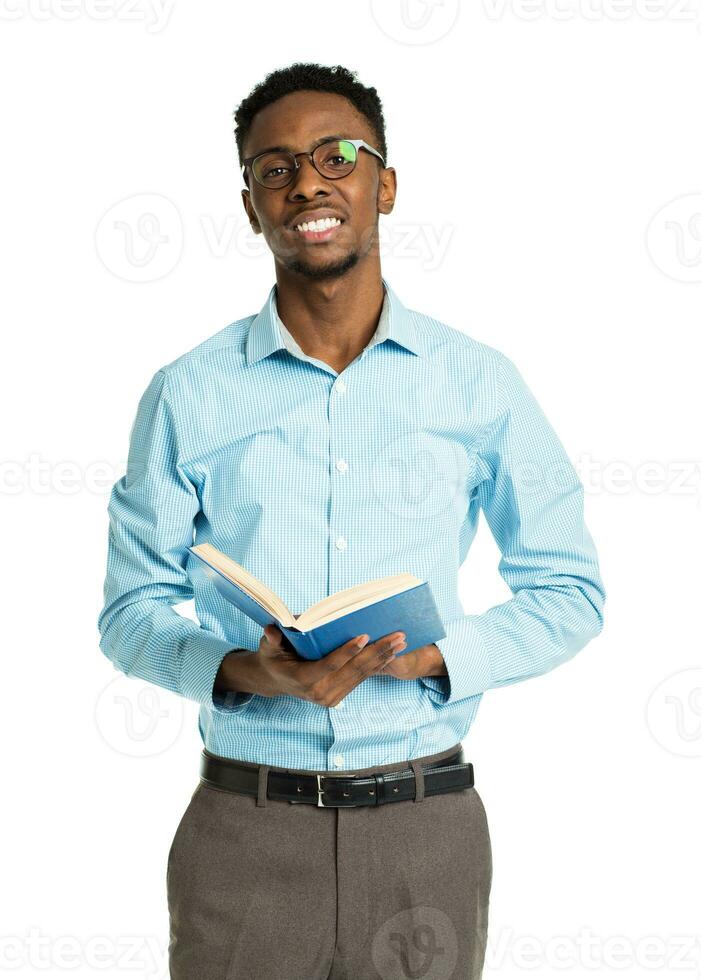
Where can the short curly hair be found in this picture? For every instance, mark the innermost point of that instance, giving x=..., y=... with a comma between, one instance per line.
x=320, y=78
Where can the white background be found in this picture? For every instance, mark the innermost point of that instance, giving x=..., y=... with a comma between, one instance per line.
x=564, y=229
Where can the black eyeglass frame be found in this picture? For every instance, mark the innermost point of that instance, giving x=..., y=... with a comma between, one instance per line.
x=358, y=144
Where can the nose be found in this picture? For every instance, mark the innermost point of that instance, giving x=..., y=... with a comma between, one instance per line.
x=307, y=181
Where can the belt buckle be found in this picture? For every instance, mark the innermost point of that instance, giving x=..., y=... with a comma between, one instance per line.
x=319, y=789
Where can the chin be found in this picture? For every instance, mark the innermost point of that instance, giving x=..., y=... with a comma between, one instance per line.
x=323, y=270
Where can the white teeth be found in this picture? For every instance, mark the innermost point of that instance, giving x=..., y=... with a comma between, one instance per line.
x=319, y=225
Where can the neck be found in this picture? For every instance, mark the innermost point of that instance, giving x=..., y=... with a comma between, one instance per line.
x=332, y=320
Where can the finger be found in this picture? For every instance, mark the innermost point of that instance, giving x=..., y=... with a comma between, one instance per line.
x=273, y=634
x=363, y=664
x=358, y=646
x=342, y=654
x=328, y=666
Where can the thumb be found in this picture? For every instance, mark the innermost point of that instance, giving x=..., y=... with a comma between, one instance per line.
x=273, y=634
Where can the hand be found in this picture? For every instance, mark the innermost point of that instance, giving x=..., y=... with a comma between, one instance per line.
x=422, y=662
x=276, y=669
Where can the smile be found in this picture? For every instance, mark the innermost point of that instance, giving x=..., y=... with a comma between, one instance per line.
x=318, y=231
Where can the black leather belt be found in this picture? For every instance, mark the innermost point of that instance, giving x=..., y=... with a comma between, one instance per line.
x=328, y=789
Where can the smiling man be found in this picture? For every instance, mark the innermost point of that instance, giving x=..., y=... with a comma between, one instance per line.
x=335, y=437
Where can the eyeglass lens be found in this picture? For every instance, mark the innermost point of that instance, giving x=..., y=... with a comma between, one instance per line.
x=333, y=159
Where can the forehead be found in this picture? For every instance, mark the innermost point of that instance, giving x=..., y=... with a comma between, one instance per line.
x=298, y=119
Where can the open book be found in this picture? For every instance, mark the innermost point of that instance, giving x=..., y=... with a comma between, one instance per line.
x=378, y=607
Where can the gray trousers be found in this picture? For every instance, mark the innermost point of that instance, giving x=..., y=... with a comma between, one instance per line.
x=263, y=889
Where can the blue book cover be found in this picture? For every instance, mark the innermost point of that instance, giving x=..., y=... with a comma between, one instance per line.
x=412, y=610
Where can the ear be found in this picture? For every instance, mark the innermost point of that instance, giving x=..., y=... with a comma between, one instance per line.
x=387, y=190
x=250, y=210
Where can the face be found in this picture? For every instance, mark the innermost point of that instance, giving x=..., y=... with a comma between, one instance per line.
x=297, y=121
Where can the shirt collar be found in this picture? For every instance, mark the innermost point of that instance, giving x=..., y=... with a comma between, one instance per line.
x=267, y=333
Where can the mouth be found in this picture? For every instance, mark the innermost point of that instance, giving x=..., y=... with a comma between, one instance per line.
x=318, y=231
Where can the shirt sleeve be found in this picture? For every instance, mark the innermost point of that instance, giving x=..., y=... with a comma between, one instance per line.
x=151, y=522
x=532, y=499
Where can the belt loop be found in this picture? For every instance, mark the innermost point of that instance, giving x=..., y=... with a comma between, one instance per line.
x=379, y=788
x=262, y=797
x=418, y=779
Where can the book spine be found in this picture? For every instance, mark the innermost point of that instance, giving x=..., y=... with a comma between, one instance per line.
x=317, y=653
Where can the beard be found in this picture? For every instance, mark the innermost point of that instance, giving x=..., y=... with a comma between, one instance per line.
x=331, y=270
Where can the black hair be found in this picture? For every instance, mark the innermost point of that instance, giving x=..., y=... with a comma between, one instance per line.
x=320, y=78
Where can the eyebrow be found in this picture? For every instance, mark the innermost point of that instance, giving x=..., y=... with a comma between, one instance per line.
x=287, y=149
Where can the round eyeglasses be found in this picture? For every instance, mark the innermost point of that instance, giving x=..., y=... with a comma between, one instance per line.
x=332, y=158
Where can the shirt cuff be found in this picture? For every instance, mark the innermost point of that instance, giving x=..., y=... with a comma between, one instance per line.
x=230, y=700
x=202, y=658
x=466, y=660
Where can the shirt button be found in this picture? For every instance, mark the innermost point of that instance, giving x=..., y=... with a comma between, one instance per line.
x=340, y=543
x=341, y=386
x=341, y=465
x=338, y=761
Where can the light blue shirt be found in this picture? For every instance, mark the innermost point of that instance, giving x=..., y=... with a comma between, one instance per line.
x=316, y=481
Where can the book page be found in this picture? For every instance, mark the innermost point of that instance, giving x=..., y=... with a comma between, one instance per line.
x=256, y=589
x=356, y=597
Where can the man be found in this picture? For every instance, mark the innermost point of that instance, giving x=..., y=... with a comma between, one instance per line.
x=337, y=437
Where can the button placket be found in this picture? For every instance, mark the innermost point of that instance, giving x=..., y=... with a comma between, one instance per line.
x=336, y=758
x=340, y=466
